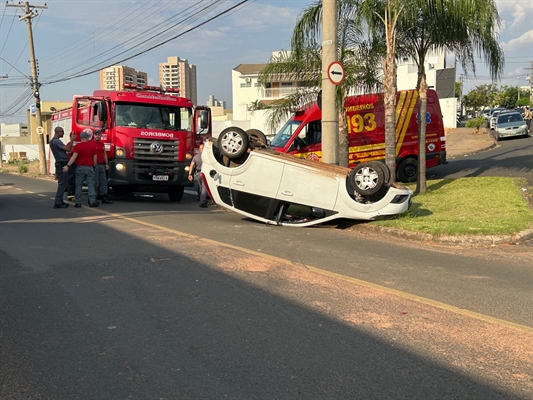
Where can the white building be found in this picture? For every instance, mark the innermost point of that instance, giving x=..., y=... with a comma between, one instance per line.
x=246, y=89
x=13, y=130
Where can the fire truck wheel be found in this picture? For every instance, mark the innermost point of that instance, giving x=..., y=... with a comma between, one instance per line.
x=367, y=179
x=233, y=142
x=384, y=168
x=407, y=170
x=257, y=138
x=175, y=193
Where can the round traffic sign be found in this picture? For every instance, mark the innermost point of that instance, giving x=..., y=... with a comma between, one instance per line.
x=336, y=72
x=39, y=130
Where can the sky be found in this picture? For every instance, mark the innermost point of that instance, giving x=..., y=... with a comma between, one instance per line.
x=73, y=39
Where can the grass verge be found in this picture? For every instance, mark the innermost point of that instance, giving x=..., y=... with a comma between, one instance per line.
x=467, y=206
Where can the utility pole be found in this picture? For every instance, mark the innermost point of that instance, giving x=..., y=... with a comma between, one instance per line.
x=461, y=78
x=330, y=117
x=29, y=14
x=531, y=83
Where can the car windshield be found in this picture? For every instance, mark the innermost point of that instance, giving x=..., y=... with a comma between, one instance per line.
x=153, y=117
x=285, y=133
x=509, y=118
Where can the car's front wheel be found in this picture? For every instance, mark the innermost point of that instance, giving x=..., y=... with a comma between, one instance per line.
x=367, y=179
x=233, y=142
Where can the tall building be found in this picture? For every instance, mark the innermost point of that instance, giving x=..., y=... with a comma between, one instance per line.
x=179, y=74
x=114, y=78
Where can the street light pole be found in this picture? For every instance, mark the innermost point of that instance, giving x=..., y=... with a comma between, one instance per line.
x=29, y=14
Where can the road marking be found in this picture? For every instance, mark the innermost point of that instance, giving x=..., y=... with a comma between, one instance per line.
x=40, y=194
x=27, y=191
x=404, y=295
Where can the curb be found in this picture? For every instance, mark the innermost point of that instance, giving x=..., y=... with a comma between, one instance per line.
x=462, y=240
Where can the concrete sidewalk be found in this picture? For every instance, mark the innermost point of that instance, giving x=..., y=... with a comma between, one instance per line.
x=461, y=142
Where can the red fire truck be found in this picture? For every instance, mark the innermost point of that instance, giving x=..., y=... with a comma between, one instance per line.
x=150, y=136
x=365, y=116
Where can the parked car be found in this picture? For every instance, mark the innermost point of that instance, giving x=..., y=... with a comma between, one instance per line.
x=494, y=116
x=510, y=124
x=244, y=175
x=485, y=113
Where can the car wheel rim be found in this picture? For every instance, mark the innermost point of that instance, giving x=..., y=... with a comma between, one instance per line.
x=366, y=179
x=232, y=142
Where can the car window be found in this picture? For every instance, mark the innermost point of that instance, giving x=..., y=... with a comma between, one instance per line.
x=506, y=118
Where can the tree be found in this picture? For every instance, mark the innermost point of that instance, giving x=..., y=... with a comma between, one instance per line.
x=303, y=64
x=257, y=105
x=482, y=97
x=382, y=19
x=426, y=26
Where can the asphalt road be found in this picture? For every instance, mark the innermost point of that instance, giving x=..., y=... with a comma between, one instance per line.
x=149, y=299
x=511, y=157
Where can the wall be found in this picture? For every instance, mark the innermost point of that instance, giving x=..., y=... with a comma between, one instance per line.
x=449, y=111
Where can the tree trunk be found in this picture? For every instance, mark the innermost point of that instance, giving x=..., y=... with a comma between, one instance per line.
x=343, y=139
x=389, y=72
x=421, y=184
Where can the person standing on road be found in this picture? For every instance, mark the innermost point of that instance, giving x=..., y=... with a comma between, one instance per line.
x=60, y=152
x=84, y=155
x=71, y=181
x=102, y=166
x=194, y=173
x=527, y=117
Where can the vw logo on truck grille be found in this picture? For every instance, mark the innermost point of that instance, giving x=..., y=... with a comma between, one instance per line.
x=156, y=148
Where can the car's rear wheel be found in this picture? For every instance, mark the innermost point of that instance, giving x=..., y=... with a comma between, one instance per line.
x=176, y=193
x=367, y=179
x=384, y=168
x=408, y=170
x=233, y=142
x=257, y=138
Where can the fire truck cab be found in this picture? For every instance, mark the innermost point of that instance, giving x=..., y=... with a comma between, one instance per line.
x=150, y=136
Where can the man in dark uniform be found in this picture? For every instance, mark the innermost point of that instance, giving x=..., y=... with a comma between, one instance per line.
x=194, y=172
x=60, y=152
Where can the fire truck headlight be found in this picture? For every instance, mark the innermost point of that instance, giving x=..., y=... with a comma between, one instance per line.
x=188, y=156
x=119, y=152
x=120, y=167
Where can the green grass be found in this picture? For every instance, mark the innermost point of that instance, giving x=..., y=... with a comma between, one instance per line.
x=467, y=206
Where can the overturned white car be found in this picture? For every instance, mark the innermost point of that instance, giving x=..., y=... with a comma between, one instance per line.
x=245, y=176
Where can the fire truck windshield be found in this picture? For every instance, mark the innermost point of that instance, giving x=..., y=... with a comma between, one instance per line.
x=153, y=117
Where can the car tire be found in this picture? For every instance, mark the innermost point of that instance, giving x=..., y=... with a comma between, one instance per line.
x=384, y=168
x=257, y=138
x=407, y=170
x=367, y=179
x=233, y=142
x=175, y=194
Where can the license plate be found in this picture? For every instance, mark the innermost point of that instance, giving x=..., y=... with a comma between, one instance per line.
x=160, y=178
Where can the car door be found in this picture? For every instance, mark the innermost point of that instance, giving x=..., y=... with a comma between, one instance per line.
x=301, y=184
x=258, y=175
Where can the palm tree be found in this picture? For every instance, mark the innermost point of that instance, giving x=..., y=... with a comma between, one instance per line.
x=303, y=64
x=382, y=17
x=465, y=27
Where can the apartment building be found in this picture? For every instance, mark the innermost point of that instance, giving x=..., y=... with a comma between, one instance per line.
x=177, y=73
x=114, y=78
